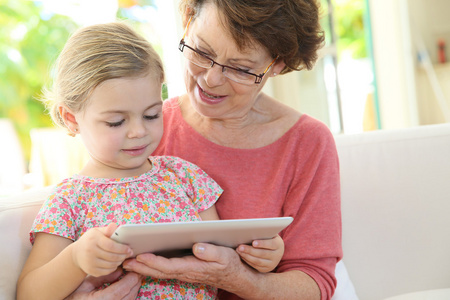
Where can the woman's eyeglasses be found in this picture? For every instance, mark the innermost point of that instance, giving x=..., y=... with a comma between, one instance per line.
x=200, y=59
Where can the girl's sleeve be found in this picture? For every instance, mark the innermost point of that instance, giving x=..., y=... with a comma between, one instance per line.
x=200, y=188
x=56, y=216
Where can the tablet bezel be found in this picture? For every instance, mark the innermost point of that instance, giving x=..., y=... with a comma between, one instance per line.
x=177, y=238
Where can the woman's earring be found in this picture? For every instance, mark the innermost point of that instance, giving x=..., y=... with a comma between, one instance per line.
x=275, y=74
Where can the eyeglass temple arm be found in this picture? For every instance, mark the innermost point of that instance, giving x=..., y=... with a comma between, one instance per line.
x=259, y=77
x=273, y=61
x=186, y=29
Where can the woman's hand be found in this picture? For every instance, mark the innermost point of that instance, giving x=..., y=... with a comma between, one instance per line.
x=126, y=288
x=97, y=254
x=213, y=265
x=263, y=255
x=222, y=267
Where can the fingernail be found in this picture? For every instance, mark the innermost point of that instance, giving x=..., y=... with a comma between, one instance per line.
x=200, y=249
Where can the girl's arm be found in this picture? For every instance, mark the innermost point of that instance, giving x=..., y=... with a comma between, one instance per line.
x=49, y=272
x=56, y=265
x=209, y=214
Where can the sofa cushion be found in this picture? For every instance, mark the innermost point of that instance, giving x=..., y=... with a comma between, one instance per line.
x=17, y=214
x=396, y=209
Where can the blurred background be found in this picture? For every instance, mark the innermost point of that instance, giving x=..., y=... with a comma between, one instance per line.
x=384, y=66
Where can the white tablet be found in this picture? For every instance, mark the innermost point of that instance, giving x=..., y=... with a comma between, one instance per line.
x=177, y=238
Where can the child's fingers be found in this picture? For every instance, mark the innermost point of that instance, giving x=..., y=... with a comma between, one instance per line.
x=254, y=252
x=264, y=244
x=113, y=247
x=108, y=245
x=113, y=257
x=262, y=265
x=270, y=244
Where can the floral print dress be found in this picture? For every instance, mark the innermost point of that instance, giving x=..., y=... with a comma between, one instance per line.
x=174, y=190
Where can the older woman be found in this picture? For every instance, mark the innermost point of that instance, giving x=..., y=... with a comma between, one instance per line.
x=270, y=159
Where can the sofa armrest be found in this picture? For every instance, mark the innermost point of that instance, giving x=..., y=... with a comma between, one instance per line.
x=17, y=214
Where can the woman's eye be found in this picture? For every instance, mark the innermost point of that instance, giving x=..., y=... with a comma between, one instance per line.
x=243, y=69
x=203, y=54
x=152, y=117
x=115, y=124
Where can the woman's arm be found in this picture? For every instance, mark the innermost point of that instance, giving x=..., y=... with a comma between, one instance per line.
x=126, y=288
x=222, y=267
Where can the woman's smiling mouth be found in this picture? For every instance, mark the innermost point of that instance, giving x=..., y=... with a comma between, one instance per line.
x=208, y=97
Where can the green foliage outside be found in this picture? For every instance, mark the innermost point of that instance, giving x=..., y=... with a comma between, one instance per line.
x=348, y=26
x=349, y=19
x=29, y=43
x=31, y=39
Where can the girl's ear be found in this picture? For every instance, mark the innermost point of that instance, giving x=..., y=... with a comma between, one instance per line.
x=69, y=119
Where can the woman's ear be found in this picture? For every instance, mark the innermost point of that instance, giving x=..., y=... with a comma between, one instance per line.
x=69, y=119
x=277, y=68
x=187, y=14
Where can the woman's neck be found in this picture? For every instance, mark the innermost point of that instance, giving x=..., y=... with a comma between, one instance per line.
x=262, y=125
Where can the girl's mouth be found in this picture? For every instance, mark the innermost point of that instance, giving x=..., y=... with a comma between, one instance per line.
x=135, y=151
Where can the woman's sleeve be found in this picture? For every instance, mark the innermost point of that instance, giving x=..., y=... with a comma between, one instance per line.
x=313, y=241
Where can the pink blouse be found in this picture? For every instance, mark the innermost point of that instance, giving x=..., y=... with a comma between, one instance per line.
x=297, y=175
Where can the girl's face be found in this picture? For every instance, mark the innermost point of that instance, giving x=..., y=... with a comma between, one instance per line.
x=211, y=93
x=121, y=126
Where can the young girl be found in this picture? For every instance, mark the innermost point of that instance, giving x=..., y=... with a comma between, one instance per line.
x=108, y=90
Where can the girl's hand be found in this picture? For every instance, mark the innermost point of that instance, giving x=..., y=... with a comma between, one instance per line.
x=263, y=255
x=97, y=254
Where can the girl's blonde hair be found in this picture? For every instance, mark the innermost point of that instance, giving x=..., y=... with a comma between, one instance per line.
x=93, y=55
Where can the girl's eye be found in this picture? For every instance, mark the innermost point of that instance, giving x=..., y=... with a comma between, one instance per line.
x=115, y=124
x=151, y=117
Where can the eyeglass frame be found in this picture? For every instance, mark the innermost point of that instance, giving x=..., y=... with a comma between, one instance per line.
x=258, y=78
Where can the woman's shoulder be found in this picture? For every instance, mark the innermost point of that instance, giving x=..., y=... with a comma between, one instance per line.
x=311, y=131
x=299, y=125
x=171, y=105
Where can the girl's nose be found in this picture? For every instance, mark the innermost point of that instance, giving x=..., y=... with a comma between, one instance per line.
x=137, y=130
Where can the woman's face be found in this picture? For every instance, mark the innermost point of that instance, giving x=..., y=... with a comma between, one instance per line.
x=211, y=93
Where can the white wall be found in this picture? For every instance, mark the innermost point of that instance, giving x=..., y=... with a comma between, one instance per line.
x=398, y=27
x=390, y=52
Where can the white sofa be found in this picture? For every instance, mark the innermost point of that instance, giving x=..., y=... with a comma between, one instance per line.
x=395, y=209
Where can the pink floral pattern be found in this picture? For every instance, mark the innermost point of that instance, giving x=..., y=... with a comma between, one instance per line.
x=173, y=191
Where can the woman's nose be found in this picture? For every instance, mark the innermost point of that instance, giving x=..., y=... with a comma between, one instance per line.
x=214, y=76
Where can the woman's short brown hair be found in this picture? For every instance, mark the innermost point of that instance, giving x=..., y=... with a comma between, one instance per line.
x=289, y=29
